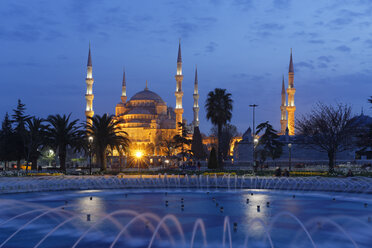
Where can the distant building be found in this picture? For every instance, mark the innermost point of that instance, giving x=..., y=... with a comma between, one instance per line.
x=300, y=153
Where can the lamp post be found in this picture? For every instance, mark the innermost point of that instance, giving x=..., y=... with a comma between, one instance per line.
x=290, y=155
x=90, y=142
x=255, y=142
x=254, y=134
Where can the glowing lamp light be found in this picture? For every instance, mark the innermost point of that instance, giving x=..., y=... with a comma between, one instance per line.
x=139, y=154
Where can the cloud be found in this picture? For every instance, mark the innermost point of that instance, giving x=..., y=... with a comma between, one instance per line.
x=211, y=47
x=304, y=64
x=322, y=65
x=20, y=64
x=282, y=4
x=340, y=22
x=246, y=76
x=369, y=43
x=243, y=4
x=272, y=26
x=316, y=41
x=343, y=48
x=326, y=59
x=185, y=28
x=306, y=35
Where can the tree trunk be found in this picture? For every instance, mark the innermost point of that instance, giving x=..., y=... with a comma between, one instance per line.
x=104, y=162
x=219, y=147
x=34, y=163
x=18, y=164
x=62, y=161
x=331, y=161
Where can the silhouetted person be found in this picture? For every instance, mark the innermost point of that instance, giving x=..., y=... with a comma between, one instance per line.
x=278, y=172
x=285, y=173
x=199, y=165
x=349, y=173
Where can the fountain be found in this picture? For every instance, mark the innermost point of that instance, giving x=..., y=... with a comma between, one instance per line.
x=101, y=210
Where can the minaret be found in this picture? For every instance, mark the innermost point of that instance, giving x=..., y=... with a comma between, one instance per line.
x=179, y=77
x=283, y=110
x=291, y=108
x=89, y=94
x=196, y=100
x=124, y=89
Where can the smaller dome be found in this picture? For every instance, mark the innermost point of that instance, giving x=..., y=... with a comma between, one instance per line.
x=120, y=104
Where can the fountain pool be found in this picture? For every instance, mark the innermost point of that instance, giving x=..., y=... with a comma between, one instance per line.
x=185, y=218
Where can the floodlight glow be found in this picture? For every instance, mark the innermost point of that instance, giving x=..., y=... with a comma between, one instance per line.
x=139, y=154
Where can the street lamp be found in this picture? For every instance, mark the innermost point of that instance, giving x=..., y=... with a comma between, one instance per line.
x=90, y=142
x=138, y=156
x=290, y=155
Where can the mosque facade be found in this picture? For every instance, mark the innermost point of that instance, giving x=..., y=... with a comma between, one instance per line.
x=145, y=116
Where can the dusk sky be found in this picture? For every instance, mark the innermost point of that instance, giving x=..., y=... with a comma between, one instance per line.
x=240, y=45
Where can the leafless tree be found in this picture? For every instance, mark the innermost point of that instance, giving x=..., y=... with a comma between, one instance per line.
x=328, y=129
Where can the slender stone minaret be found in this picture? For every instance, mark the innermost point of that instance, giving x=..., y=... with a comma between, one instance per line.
x=196, y=100
x=179, y=77
x=283, y=110
x=89, y=94
x=291, y=108
x=124, y=89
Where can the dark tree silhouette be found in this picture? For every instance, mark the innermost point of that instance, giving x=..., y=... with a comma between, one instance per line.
x=166, y=144
x=106, y=134
x=268, y=144
x=181, y=140
x=228, y=132
x=63, y=133
x=36, y=137
x=365, y=136
x=197, y=147
x=7, y=141
x=219, y=111
x=328, y=129
x=19, y=120
x=212, y=161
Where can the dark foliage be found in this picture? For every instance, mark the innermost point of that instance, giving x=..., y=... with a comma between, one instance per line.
x=228, y=132
x=219, y=110
x=328, y=129
x=181, y=141
x=106, y=134
x=268, y=144
x=197, y=147
x=19, y=121
x=7, y=141
x=212, y=161
x=63, y=133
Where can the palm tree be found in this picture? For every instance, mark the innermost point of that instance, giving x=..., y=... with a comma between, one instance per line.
x=63, y=133
x=106, y=133
x=35, y=138
x=219, y=111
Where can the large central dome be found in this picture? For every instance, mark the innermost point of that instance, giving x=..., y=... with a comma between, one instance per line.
x=147, y=95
